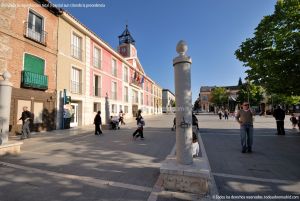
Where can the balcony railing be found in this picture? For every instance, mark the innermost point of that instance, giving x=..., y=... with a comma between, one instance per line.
x=97, y=92
x=97, y=62
x=114, y=95
x=33, y=33
x=126, y=98
x=76, y=52
x=76, y=87
x=34, y=80
x=136, y=83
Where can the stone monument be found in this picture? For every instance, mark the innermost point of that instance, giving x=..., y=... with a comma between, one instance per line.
x=180, y=172
x=183, y=96
x=5, y=101
x=107, y=112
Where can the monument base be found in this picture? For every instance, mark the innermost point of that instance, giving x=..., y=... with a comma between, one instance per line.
x=10, y=147
x=186, y=178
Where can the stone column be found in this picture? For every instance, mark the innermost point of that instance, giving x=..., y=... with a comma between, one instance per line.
x=5, y=100
x=183, y=94
x=107, y=111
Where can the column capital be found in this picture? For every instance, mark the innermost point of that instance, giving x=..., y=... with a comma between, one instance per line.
x=181, y=49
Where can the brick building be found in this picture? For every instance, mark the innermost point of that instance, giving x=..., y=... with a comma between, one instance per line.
x=28, y=50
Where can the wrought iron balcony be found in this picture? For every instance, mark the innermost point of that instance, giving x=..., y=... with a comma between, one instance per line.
x=97, y=92
x=136, y=83
x=76, y=52
x=114, y=95
x=76, y=87
x=34, y=80
x=33, y=33
x=126, y=98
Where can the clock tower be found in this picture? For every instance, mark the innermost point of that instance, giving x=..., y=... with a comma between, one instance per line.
x=127, y=44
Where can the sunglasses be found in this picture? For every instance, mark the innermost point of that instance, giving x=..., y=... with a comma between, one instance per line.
x=246, y=105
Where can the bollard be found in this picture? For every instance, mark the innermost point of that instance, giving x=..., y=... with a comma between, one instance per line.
x=183, y=94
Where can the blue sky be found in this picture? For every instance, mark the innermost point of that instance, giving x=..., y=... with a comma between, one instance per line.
x=213, y=30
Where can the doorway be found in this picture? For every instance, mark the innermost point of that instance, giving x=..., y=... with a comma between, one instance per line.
x=74, y=118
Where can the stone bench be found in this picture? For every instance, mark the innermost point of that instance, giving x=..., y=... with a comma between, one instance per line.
x=11, y=147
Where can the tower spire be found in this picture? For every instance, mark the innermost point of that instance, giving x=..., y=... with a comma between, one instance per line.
x=126, y=37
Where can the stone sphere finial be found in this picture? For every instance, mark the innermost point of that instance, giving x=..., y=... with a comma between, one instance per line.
x=181, y=47
x=6, y=75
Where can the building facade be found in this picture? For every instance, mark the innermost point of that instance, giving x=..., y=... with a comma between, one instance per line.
x=168, y=101
x=62, y=70
x=28, y=50
x=89, y=70
x=206, y=93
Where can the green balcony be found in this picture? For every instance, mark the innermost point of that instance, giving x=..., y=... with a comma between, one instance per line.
x=34, y=80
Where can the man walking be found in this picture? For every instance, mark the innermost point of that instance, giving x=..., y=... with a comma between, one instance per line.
x=279, y=115
x=245, y=119
x=98, y=122
x=26, y=116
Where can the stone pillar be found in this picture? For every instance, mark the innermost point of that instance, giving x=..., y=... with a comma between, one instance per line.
x=107, y=111
x=5, y=100
x=183, y=94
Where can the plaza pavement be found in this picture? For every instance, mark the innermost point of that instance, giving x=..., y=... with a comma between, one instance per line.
x=273, y=169
x=77, y=165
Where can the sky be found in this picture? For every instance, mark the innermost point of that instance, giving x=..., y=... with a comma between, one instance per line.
x=213, y=30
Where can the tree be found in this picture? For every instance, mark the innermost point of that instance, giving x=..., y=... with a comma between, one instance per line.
x=219, y=96
x=196, y=104
x=273, y=54
x=240, y=82
x=279, y=99
x=252, y=93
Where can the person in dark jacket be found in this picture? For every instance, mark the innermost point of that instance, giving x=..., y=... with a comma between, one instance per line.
x=26, y=116
x=279, y=115
x=98, y=122
x=140, y=124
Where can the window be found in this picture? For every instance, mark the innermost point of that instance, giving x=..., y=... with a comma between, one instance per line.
x=97, y=57
x=146, y=99
x=76, y=47
x=97, y=86
x=125, y=74
x=126, y=94
x=34, y=64
x=76, y=81
x=114, y=67
x=97, y=107
x=114, y=91
x=142, y=99
x=114, y=108
x=125, y=109
x=34, y=27
x=121, y=108
x=135, y=97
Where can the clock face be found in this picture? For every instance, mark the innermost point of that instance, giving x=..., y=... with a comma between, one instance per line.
x=123, y=51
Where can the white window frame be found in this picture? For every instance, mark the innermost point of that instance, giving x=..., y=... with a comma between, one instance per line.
x=125, y=74
x=76, y=46
x=114, y=68
x=99, y=84
x=114, y=94
x=97, y=64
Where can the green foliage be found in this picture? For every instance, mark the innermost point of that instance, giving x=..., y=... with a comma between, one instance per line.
x=196, y=105
x=219, y=96
x=276, y=99
x=253, y=92
x=273, y=54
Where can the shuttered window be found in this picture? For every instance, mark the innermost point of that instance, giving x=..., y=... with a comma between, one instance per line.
x=34, y=64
